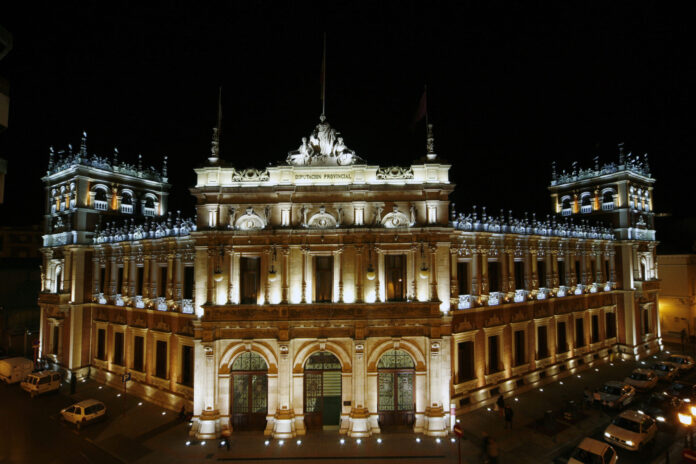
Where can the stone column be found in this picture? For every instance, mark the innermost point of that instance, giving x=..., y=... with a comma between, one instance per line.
x=67, y=271
x=612, y=266
x=548, y=264
x=636, y=262
x=554, y=264
x=414, y=269
x=485, y=290
x=475, y=273
x=266, y=268
x=380, y=268
x=305, y=255
x=146, y=276
x=359, y=419
x=339, y=254
x=571, y=278
x=528, y=275
x=95, y=274
x=583, y=267
x=511, y=270
x=113, y=275
x=210, y=283
x=286, y=277
x=233, y=281
x=433, y=273
x=454, y=283
x=284, y=418
x=534, y=267
x=154, y=276
x=358, y=274
x=599, y=266
x=435, y=425
x=178, y=277
x=209, y=419
x=169, y=288
x=504, y=265
x=125, y=285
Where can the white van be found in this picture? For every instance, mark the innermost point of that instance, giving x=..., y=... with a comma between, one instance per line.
x=41, y=382
x=13, y=370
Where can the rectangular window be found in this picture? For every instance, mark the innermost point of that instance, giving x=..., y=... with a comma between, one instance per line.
x=56, y=339
x=579, y=333
x=162, y=284
x=187, y=365
x=594, y=271
x=562, y=273
x=520, y=357
x=561, y=336
x=595, y=328
x=494, y=276
x=188, y=283
x=250, y=279
x=118, y=348
x=542, y=342
x=102, y=280
x=395, y=273
x=578, y=274
x=161, y=359
x=610, y=321
x=646, y=321
x=119, y=280
x=493, y=354
x=140, y=275
x=541, y=273
x=463, y=278
x=519, y=275
x=138, y=353
x=101, y=343
x=607, y=276
x=465, y=352
x=323, y=273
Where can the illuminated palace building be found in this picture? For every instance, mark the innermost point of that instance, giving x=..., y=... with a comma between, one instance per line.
x=327, y=292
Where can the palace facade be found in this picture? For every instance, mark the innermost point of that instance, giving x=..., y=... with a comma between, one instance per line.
x=329, y=293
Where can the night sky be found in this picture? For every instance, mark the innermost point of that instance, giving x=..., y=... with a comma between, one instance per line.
x=511, y=87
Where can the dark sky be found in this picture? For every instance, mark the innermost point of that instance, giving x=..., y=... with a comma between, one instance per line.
x=511, y=87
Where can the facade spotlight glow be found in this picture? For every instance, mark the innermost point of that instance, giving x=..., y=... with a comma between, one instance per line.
x=299, y=442
x=118, y=396
x=164, y=412
x=342, y=440
x=188, y=443
x=379, y=440
x=418, y=440
x=281, y=442
x=437, y=440
x=267, y=442
x=358, y=441
x=140, y=403
x=203, y=442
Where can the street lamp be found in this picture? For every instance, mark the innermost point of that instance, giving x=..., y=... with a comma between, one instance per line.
x=686, y=418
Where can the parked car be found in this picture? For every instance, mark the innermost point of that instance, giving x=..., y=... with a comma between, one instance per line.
x=616, y=394
x=664, y=371
x=663, y=408
x=13, y=370
x=591, y=451
x=642, y=379
x=84, y=412
x=41, y=382
x=631, y=430
x=681, y=361
x=685, y=391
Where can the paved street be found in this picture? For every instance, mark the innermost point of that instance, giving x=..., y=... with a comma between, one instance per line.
x=137, y=431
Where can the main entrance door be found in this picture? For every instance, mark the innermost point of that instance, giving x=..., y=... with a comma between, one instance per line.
x=322, y=395
x=249, y=404
x=396, y=404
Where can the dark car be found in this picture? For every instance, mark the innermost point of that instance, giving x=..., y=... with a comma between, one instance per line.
x=663, y=408
x=685, y=391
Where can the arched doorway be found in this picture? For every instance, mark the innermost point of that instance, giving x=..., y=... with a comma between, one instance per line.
x=322, y=391
x=396, y=381
x=249, y=390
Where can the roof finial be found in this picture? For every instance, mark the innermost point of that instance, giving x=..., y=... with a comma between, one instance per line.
x=164, y=168
x=51, y=160
x=622, y=157
x=140, y=162
x=115, y=162
x=430, y=143
x=215, y=143
x=83, y=144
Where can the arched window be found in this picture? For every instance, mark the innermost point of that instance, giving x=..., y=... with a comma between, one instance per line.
x=396, y=359
x=566, y=206
x=586, y=203
x=608, y=200
x=396, y=382
x=249, y=361
x=100, y=195
x=249, y=391
x=127, y=203
x=149, y=202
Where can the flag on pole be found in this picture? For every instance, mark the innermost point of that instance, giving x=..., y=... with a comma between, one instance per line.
x=422, y=111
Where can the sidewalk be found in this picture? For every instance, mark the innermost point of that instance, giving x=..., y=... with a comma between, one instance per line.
x=137, y=431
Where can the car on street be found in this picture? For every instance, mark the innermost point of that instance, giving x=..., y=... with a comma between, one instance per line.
x=616, y=394
x=13, y=370
x=642, y=379
x=685, y=391
x=631, y=430
x=664, y=371
x=681, y=361
x=663, y=408
x=591, y=451
x=84, y=412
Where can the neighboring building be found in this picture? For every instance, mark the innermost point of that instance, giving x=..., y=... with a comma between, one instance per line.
x=5, y=47
x=326, y=292
x=678, y=294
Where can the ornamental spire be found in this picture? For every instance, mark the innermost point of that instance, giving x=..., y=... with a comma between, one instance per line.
x=430, y=143
x=214, y=157
x=83, y=144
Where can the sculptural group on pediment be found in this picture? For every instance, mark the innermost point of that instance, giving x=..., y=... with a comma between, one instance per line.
x=324, y=147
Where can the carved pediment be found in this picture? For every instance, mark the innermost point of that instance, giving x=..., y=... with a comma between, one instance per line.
x=250, y=221
x=396, y=219
x=322, y=220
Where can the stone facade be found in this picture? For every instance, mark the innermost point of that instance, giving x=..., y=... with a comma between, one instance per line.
x=330, y=293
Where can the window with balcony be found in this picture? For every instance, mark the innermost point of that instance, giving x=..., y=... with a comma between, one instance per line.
x=579, y=333
x=149, y=207
x=520, y=355
x=161, y=359
x=101, y=344
x=188, y=283
x=465, y=359
x=140, y=275
x=608, y=201
x=250, y=279
x=562, y=280
x=100, y=201
x=463, y=278
x=323, y=274
x=578, y=273
x=595, y=328
x=395, y=276
x=541, y=273
x=519, y=275
x=138, y=353
x=127, y=204
x=542, y=342
x=118, y=348
x=162, y=283
x=586, y=204
x=493, y=354
x=494, y=278
x=561, y=337
x=566, y=207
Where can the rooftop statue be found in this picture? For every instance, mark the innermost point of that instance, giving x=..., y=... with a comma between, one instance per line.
x=324, y=148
